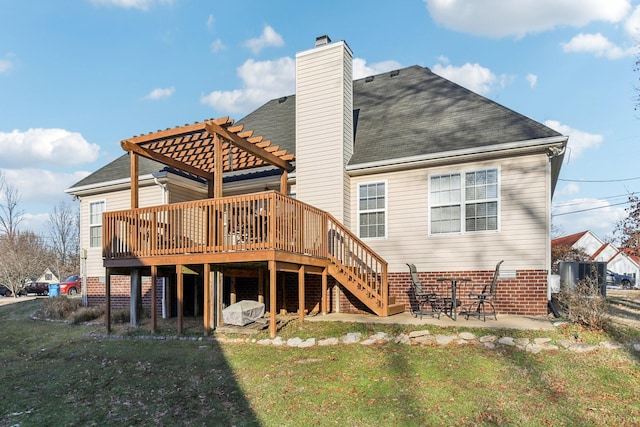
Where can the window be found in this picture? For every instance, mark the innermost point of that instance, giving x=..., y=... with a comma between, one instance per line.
x=95, y=224
x=464, y=208
x=372, y=207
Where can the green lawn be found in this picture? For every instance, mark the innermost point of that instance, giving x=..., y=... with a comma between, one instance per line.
x=53, y=375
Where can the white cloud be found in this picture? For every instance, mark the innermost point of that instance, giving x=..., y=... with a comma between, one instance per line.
x=597, y=44
x=160, y=93
x=5, y=65
x=472, y=76
x=532, y=79
x=33, y=191
x=632, y=24
x=210, y=21
x=51, y=147
x=579, y=141
x=266, y=80
x=582, y=214
x=569, y=189
x=216, y=46
x=131, y=4
x=499, y=18
x=268, y=38
x=261, y=81
x=361, y=69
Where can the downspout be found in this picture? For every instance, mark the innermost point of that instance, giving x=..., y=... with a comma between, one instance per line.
x=553, y=152
x=164, y=281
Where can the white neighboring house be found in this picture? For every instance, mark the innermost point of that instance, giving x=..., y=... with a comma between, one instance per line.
x=599, y=251
x=48, y=277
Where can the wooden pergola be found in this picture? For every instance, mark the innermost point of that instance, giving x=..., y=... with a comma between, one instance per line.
x=207, y=150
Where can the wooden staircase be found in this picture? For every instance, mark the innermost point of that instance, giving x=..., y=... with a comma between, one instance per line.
x=360, y=270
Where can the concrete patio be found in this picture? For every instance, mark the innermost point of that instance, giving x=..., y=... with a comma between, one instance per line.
x=503, y=322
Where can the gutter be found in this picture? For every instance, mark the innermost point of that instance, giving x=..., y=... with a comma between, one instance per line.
x=467, y=154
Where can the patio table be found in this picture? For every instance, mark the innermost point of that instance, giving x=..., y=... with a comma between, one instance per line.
x=454, y=289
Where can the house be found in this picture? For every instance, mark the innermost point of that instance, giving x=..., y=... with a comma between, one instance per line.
x=316, y=201
x=598, y=250
x=48, y=277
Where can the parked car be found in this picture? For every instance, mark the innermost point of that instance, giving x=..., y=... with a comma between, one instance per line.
x=4, y=291
x=70, y=285
x=623, y=280
x=38, y=288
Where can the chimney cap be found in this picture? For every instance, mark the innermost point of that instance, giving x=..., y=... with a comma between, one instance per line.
x=322, y=40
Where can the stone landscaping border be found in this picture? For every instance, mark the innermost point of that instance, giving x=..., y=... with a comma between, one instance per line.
x=415, y=338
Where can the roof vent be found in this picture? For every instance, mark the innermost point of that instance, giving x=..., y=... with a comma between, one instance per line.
x=394, y=73
x=368, y=79
x=322, y=40
x=281, y=100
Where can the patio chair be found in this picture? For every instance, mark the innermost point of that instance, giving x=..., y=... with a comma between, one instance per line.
x=419, y=298
x=487, y=295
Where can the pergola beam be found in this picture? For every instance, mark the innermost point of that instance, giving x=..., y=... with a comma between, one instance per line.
x=214, y=128
x=132, y=147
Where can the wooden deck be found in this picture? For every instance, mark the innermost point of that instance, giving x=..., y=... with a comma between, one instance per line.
x=257, y=227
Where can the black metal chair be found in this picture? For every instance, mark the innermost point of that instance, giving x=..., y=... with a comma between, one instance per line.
x=420, y=298
x=487, y=295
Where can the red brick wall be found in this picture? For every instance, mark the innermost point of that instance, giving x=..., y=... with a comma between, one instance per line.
x=526, y=294
x=120, y=292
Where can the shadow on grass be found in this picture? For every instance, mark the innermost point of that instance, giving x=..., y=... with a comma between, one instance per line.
x=56, y=376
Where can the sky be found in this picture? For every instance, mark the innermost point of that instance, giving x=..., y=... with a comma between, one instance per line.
x=79, y=76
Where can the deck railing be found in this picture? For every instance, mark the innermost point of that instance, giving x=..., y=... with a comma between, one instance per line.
x=249, y=222
x=252, y=222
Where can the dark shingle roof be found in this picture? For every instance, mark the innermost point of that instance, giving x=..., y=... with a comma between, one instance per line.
x=405, y=113
x=120, y=168
x=409, y=112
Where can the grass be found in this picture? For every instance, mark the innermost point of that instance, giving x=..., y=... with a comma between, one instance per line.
x=53, y=374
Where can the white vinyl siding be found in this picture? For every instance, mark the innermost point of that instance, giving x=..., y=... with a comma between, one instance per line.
x=323, y=147
x=149, y=195
x=521, y=239
x=95, y=223
x=468, y=207
x=372, y=210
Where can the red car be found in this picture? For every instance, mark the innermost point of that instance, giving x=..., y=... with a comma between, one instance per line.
x=70, y=286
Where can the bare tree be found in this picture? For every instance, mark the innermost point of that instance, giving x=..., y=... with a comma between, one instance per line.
x=23, y=257
x=10, y=213
x=64, y=230
x=627, y=230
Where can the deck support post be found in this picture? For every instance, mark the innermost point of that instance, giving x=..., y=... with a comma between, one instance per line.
x=180, y=296
x=261, y=286
x=301, y=293
x=134, y=179
x=233, y=297
x=218, y=160
x=135, y=299
x=208, y=307
x=284, y=185
x=324, y=298
x=154, y=291
x=273, y=327
x=218, y=298
x=107, y=291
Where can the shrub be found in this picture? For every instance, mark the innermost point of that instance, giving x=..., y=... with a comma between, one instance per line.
x=59, y=308
x=120, y=316
x=87, y=314
x=585, y=304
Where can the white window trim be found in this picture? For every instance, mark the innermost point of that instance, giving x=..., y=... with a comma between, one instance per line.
x=91, y=225
x=462, y=173
x=386, y=210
